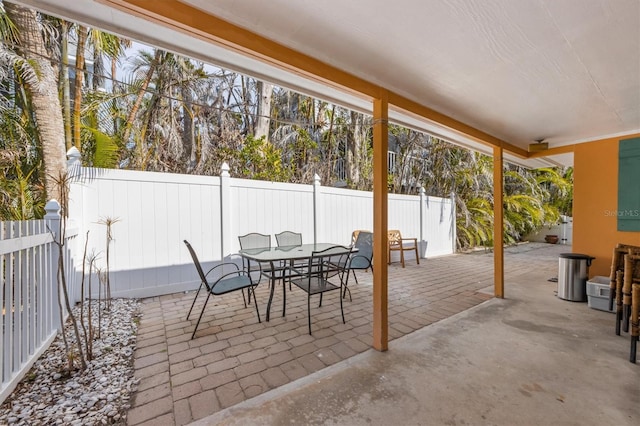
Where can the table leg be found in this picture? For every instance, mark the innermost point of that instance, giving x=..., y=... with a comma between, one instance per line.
x=273, y=284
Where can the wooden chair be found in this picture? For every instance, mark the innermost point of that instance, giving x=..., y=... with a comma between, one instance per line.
x=397, y=243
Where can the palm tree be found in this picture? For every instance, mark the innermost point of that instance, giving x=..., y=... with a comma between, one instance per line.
x=43, y=93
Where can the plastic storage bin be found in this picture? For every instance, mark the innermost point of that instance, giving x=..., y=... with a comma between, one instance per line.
x=598, y=293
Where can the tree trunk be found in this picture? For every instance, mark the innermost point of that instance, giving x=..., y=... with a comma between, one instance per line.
x=188, y=131
x=79, y=82
x=141, y=92
x=354, y=143
x=263, y=121
x=66, y=93
x=44, y=97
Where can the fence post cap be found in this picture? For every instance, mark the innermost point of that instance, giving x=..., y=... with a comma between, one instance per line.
x=53, y=209
x=316, y=179
x=73, y=156
x=225, y=169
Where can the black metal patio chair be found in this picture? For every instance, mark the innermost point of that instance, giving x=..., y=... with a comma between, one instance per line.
x=255, y=240
x=251, y=241
x=225, y=283
x=290, y=239
x=321, y=275
x=360, y=259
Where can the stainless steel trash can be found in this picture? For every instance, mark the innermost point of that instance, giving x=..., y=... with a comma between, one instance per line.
x=573, y=272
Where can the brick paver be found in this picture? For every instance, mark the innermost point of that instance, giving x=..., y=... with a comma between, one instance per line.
x=233, y=357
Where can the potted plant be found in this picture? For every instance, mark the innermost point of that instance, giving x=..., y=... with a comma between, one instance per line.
x=551, y=238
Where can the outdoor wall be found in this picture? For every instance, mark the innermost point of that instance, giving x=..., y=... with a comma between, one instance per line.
x=155, y=212
x=595, y=203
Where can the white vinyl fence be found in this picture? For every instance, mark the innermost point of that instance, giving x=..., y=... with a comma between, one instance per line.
x=155, y=212
x=29, y=292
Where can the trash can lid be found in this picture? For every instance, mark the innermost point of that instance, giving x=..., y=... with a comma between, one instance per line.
x=576, y=256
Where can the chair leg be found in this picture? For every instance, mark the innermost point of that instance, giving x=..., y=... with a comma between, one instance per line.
x=342, y=308
x=243, y=298
x=346, y=286
x=253, y=289
x=200, y=317
x=309, y=311
x=194, y=301
x=619, y=281
x=354, y=276
x=402, y=256
x=417, y=257
x=284, y=294
x=635, y=322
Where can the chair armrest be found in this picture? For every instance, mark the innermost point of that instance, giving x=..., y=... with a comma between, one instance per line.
x=222, y=264
x=354, y=257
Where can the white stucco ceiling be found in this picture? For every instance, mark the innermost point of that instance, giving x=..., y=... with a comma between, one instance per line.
x=566, y=71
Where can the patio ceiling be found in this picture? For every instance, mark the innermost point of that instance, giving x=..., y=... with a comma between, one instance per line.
x=563, y=71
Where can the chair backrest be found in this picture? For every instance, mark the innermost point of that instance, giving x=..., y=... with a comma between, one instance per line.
x=326, y=261
x=617, y=260
x=364, y=244
x=632, y=268
x=254, y=240
x=196, y=262
x=354, y=235
x=394, y=236
x=289, y=238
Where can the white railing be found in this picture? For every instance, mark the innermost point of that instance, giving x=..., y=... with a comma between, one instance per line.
x=29, y=293
x=155, y=212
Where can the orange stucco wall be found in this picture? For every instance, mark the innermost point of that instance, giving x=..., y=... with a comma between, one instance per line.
x=595, y=202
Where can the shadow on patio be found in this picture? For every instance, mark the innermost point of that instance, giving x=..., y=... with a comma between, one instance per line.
x=234, y=358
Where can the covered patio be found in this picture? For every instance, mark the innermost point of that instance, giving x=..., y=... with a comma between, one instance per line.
x=235, y=360
x=491, y=77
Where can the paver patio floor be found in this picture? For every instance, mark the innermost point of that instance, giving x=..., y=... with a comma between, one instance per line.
x=234, y=358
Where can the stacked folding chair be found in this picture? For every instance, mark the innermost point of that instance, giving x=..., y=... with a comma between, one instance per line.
x=625, y=284
x=631, y=300
x=617, y=284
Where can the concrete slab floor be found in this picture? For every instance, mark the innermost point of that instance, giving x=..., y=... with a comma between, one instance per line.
x=528, y=359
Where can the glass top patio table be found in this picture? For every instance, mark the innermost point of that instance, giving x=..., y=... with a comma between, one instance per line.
x=276, y=254
x=282, y=253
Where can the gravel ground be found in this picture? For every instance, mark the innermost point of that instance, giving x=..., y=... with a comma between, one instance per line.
x=99, y=395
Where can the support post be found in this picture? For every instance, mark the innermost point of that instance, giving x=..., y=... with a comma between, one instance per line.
x=225, y=212
x=316, y=206
x=423, y=201
x=380, y=192
x=454, y=224
x=498, y=223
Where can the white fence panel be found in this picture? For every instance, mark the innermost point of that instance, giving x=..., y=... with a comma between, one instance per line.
x=29, y=310
x=438, y=226
x=270, y=208
x=341, y=211
x=153, y=214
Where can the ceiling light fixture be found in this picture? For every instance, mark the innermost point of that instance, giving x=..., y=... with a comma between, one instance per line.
x=538, y=146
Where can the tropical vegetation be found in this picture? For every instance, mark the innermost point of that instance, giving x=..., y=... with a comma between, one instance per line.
x=64, y=85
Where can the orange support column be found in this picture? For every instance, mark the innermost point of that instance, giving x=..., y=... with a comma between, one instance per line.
x=380, y=191
x=498, y=223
